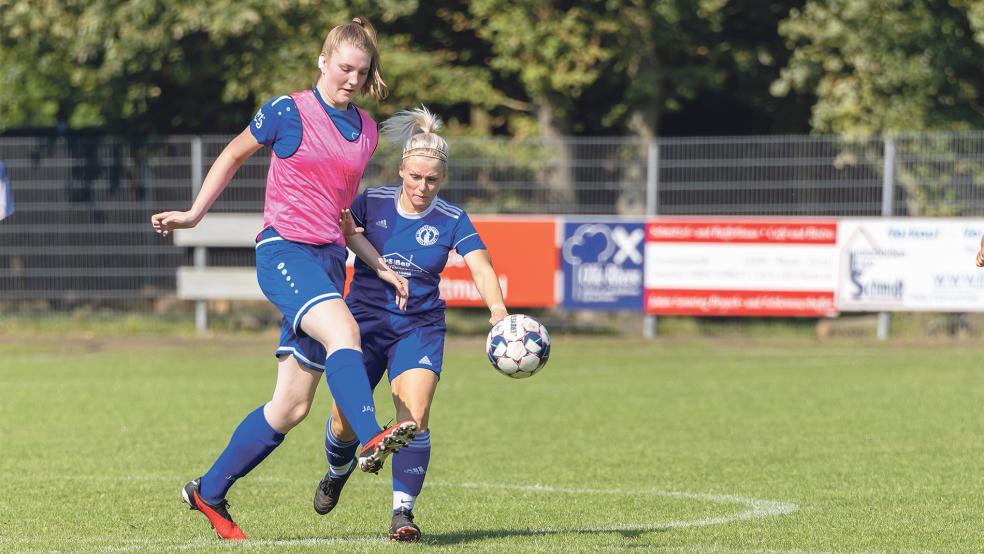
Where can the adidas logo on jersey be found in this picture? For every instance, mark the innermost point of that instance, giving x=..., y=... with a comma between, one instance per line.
x=419, y=470
x=382, y=223
x=425, y=360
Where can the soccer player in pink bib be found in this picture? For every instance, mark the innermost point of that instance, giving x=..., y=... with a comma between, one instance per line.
x=321, y=144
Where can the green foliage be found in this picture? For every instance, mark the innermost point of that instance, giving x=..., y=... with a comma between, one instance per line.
x=883, y=66
x=157, y=66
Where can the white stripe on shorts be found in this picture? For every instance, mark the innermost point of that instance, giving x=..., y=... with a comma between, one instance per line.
x=271, y=239
x=293, y=352
x=297, y=320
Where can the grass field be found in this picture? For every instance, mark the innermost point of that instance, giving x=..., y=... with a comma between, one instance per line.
x=676, y=446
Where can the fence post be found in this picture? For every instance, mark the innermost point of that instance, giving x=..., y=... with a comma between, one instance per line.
x=652, y=208
x=888, y=210
x=200, y=254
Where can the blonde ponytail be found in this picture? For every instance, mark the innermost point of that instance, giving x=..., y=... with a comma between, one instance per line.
x=417, y=130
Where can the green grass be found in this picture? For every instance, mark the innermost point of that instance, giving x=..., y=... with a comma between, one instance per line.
x=616, y=445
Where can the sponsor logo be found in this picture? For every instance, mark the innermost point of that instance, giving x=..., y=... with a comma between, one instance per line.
x=258, y=119
x=382, y=223
x=419, y=470
x=368, y=409
x=402, y=265
x=606, y=262
x=427, y=235
x=425, y=360
x=872, y=271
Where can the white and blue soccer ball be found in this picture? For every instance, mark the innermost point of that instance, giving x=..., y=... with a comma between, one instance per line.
x=518, y=346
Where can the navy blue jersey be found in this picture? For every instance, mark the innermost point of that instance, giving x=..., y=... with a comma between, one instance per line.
x=277, y=124
x=415, y=245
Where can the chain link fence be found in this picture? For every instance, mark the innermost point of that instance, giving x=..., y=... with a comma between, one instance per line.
x=80, y=234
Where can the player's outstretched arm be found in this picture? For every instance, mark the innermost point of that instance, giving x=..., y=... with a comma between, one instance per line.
x=487, y=282
x=368, y=254
x=219, y=175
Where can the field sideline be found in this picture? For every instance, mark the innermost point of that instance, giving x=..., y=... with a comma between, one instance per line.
x=673, y=446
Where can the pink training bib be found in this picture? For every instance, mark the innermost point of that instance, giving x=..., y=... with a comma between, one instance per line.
x=306, y=192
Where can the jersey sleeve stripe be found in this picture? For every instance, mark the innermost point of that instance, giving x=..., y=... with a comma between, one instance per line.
x=463, y=238
x=445, y=212
x=448, y=207
x=274, y=103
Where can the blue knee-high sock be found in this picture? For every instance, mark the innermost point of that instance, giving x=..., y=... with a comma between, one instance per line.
x=341, y=454
x=346, y=375
x=409, y=470
x=251, y=442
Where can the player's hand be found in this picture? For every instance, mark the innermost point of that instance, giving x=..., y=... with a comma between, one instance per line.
x=347, y=224
x=980, y=258
x=165, y=222
x=399, y=283
x=498, y=313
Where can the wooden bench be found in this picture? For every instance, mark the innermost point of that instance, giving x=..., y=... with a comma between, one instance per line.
x=203, y=283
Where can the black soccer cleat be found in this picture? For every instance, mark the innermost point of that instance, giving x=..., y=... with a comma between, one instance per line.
x=403, y=528
x=388, y=441
x=329, y=489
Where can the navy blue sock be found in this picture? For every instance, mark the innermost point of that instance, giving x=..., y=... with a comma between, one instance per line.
x=251, y=442
x=341, y=454
x=346, y=375
x=409, y=471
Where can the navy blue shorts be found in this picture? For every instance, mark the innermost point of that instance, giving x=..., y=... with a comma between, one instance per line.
x=296, y=277
x=394, y=344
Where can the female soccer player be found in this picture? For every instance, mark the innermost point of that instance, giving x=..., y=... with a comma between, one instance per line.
x=321, y=144
x=415, y=230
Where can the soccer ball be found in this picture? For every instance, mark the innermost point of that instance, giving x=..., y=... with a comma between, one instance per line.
x=518, y=346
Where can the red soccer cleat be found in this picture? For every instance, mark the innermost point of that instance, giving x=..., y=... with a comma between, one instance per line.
x=388, y=441
x=218, y=515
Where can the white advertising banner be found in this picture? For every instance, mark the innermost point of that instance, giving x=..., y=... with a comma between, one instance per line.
x=910, y=264
x=741, y=267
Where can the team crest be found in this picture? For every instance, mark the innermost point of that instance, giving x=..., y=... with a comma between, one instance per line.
x=427, y=235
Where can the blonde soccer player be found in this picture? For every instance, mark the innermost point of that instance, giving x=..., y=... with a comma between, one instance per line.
x=416, y=230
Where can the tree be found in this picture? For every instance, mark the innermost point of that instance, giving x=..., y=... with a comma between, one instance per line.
x=156, y=66
x=884, y=66
x=890, y=67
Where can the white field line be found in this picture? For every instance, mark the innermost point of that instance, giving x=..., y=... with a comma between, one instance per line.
x=754, y=509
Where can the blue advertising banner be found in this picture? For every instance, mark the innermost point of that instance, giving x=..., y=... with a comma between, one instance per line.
x=602, y=263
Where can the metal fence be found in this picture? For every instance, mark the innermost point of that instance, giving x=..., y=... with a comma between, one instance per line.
x=80, y=235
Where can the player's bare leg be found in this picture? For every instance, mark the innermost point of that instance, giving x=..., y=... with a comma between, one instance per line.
x=413, y=392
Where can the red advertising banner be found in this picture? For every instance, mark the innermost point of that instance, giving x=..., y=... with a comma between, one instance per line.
x=740, y=231
x=741, y=267
x=743, y=302
x=524, y=254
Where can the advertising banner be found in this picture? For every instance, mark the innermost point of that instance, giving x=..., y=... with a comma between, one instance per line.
x=524, y=254
x=602, y=264
x=910, y=264
x=741, y=267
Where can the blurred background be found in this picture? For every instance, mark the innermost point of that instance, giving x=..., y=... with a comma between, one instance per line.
x=581, y=112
